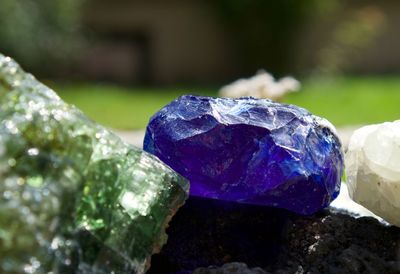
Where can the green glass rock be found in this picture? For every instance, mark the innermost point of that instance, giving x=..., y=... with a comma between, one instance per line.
x=74, y=198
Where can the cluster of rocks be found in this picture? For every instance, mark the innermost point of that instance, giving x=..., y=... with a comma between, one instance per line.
x=74, y=198
x=242, y=145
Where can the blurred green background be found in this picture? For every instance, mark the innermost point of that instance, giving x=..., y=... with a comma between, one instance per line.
x=348, y=101
x=120, y=61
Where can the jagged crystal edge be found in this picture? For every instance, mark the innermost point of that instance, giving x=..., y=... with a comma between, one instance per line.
x=74, y=197
x=249, y=150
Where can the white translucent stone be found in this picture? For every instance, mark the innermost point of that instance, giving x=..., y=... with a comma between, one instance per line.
x=373, y=169
x=261, y=85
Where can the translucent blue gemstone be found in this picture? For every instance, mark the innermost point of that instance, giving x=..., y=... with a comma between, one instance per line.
x=249, y=150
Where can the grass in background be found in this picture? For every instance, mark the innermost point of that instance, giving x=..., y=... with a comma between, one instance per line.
x=349, y=101
x=118, y=107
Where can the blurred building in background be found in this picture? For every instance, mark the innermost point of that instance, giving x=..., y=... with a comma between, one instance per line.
x=163, y=42
x=168, y=42
x=207, y=42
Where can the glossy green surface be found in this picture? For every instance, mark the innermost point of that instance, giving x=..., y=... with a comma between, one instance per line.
x=74, y=198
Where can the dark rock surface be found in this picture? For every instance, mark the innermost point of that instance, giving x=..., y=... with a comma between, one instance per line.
x=230, y=268
x=213, y=233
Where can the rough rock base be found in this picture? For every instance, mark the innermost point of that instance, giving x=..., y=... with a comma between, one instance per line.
x=209, y=232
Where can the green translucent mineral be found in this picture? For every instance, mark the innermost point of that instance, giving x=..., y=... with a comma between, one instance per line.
x=74, y=198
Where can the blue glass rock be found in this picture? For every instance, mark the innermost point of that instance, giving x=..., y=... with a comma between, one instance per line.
x=249, y=150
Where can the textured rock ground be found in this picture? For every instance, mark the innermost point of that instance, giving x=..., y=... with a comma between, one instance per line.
x=207, y=232
x=230, y=268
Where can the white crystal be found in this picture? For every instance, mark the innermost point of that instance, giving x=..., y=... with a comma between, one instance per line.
x=261, y=85
x=373, y=169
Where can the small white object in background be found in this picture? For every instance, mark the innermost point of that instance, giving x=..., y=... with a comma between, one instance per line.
x=262, y=85
x=373, y=169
